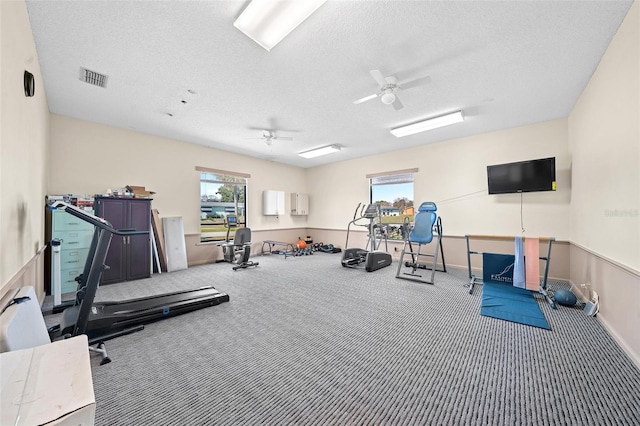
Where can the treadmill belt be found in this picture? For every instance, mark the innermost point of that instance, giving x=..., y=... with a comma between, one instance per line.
x=109, y=318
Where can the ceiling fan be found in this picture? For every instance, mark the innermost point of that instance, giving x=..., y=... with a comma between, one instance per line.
x=389, y=87
x=269, y=136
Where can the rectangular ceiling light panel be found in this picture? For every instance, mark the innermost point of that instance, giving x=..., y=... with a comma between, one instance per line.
x=313, y=153
x=428, y=124
x=267, y=22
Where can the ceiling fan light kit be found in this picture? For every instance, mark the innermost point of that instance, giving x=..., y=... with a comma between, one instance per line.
x=388, y=97
x=317, y=152
x=428, y=124
x=267, y=22
x=389, y=86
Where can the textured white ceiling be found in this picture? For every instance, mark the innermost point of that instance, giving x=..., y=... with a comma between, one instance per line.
x=504, y=63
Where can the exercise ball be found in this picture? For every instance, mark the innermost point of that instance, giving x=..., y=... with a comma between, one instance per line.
x=565, y=297
x=302, y=245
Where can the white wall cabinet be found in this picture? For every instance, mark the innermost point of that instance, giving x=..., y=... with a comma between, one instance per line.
x=272, y=203
x=299, y=204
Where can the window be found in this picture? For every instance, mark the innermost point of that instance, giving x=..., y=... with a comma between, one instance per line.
x=222, y=194
x=393, y=191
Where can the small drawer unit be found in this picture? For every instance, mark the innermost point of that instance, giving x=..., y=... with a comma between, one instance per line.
x=75, y=237
x=73, y=258
x=68, y=281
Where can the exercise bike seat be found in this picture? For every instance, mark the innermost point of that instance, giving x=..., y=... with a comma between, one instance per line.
x=242, y=237
x=426, y=217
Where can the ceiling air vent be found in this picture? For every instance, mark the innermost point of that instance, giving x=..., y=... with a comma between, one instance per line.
x=93, y=77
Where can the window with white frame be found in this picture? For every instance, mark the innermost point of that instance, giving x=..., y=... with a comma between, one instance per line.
x=393, y=192
x=222, y=194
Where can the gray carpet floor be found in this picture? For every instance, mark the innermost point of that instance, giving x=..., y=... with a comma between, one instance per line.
x=304, y=341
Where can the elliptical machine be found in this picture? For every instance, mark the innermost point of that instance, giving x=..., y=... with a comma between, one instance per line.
x=228, y=248
x=371, y=257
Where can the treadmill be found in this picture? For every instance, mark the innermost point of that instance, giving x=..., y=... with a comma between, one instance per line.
x=101, y=321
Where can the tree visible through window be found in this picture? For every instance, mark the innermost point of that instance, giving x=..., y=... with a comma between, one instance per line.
x=394, y=194
x=221, y=195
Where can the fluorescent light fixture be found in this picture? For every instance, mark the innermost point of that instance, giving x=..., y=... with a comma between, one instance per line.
x=428, y=124
x=313, y=153
x=267, y=22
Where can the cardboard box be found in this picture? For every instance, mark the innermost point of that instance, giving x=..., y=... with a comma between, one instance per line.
x=139, y=191
x=48, y=385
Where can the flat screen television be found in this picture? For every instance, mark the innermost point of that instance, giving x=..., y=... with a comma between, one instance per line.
x=523, y=176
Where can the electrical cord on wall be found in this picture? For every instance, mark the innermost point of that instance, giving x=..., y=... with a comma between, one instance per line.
x=16, y=301
x=459, y=197
x=477, y=193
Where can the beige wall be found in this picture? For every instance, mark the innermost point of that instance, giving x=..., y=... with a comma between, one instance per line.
x=453, y=174
x=94, y=157
x=604, y=138
x=24, y=129
x=107, y=157
x=604, y=135
x=619, y=290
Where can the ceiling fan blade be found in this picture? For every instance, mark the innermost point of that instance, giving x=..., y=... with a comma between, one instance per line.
x=422, y=81
x=283, y=138
x=366, y=98
x=397, y=104
x=378, y=77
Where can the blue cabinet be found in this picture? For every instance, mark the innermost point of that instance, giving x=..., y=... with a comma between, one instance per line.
x=75, y=237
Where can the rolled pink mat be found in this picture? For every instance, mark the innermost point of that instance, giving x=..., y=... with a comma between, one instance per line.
x=532, y=263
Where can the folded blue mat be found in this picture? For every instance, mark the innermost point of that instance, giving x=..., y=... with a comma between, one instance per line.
x=504, y=301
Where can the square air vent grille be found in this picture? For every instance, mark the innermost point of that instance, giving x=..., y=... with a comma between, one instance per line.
x=93, y=77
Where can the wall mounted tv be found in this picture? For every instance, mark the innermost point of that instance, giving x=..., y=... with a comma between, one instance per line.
x=524, y=176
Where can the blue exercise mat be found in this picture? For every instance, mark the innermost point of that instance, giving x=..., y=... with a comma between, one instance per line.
x=504, y=301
